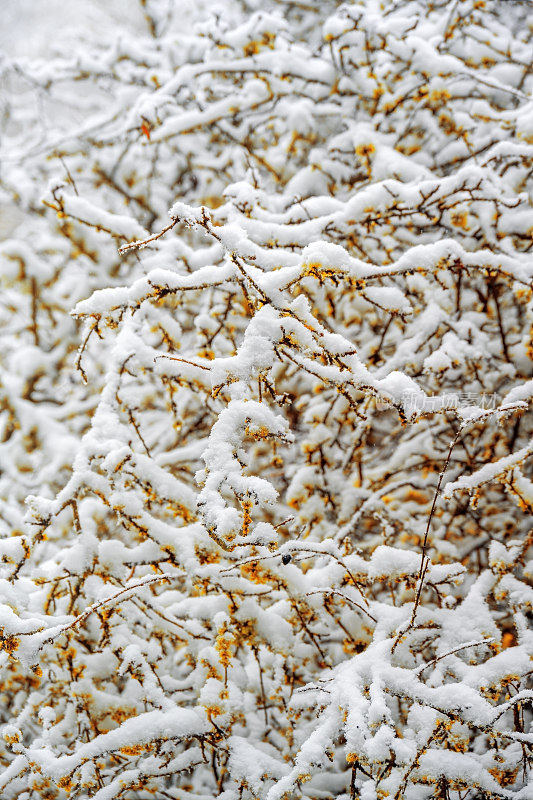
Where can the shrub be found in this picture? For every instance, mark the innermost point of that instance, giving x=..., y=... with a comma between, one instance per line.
x=277, y=531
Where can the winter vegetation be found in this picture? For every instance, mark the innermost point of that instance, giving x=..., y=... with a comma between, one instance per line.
x=266, y=326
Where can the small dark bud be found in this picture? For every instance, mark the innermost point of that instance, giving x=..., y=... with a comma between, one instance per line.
x=286, y=558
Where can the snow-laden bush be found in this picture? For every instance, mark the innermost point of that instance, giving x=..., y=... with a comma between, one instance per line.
x=277, y=462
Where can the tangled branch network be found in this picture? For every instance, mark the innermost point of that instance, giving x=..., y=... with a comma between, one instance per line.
x=249, y=549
